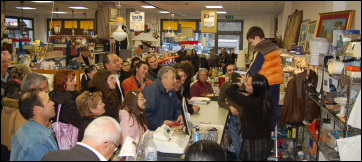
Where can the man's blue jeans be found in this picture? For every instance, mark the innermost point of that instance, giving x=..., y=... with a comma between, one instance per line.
x=234, y=127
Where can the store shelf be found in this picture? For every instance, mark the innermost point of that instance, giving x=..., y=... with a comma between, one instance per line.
x=315, y=100
x=329, y=153
x=340, y=122
x=311, y=132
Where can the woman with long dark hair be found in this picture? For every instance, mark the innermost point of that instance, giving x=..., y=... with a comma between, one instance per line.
x=255, y=117
x=104, y=81
x=132, y=117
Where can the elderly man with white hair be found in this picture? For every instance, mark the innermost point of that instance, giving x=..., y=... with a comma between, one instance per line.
x=101, y=138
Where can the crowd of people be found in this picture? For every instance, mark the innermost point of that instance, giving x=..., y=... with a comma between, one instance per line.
x=125, y=99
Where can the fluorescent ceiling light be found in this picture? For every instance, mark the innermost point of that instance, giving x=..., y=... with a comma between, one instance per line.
x=221, y=12
x=211, y=6
x=42, y=1
x=26, y=8
x=59, y=12
x=164, y=12
x=78, y=7
x=148, y=6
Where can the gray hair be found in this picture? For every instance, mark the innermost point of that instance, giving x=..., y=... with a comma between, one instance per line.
x=200, y=70
x=103, y=129
x=30, y=79
x=165, y=70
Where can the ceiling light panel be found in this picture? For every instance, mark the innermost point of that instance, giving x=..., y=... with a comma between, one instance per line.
x=26, y=8
x=164, y=12
x=148, y=6
x=213, y=6
x=221, y=12
x=59, y=12
x=42, y=1
x=78, y=7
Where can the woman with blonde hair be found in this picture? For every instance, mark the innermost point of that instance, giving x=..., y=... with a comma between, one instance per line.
x=132, y=117
x=90, y=106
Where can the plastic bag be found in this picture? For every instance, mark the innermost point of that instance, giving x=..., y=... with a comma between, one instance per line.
x=350, y=148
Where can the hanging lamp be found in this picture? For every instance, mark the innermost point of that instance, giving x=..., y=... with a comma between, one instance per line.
x=172, y=34
x=119, y=34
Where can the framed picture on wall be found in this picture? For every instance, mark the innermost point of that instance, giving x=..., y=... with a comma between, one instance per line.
x=112, y=27
x=310, y=35
x=113, y=14
x=303, y=33
x=327, y=22
x=292, y=30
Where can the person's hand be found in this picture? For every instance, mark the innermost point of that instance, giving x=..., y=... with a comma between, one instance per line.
x=180, y=120
x=234, y=111
x=196, y=109
x=168, y=122
x=244, y=78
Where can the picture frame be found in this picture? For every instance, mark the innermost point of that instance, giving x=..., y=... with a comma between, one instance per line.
x=113, y=14
x=310, y=35
x=327, y=22
x=112, y=27
x=303, y=34
x=292, y=29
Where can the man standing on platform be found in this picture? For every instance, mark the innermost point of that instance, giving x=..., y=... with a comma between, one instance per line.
x=162, y=106
x=111, y=62
x=267, y=62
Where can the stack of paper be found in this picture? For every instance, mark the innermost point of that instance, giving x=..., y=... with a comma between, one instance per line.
x=200, y=100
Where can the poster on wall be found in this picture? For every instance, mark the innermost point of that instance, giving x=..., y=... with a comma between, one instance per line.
x=209, y=19
x=137, y=21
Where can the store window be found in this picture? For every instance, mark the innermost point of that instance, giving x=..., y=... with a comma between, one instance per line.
x=229, y=35
x=67, y=25
x=14, y=30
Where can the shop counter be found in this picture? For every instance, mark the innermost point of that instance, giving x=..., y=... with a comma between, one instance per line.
x=214, y=115
x=50, y=75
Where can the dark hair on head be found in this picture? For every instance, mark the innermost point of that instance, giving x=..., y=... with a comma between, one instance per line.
x=187, y=67
x=138, y=65
x=205, y=150
x=211, y=49
x=99, y=83
x=130, y=104
x=178, y=77
x=106, y=59
x=60, y=79
x=134, y=59
x=125, y=61
x=255, y=31
x=261, y=90
x=89, y=69
x=141, y=46
x=83, y=48
x=187, y=58
x=192, y=51
x=27, y=101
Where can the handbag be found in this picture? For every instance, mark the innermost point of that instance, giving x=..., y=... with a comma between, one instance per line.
x=66, y=133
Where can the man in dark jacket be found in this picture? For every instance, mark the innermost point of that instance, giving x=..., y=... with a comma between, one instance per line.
x=162, y=106
x=181, y=53
x=223, y=60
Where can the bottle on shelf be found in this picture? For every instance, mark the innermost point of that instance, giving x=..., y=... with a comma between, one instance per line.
x=151, y=149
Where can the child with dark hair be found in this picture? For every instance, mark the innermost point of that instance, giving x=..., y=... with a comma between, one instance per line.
x=256, y=117
x=132, y=117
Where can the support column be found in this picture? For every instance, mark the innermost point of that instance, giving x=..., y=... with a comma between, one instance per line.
x=103, y=19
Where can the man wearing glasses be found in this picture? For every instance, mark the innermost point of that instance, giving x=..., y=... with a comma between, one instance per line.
x=101, y=139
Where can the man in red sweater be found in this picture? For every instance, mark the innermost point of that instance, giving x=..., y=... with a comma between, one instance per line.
x=138, y=78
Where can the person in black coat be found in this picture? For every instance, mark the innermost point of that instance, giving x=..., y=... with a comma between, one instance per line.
x=195, y=60
x=64, y=93
x=89, y=71
x=203, y=62
x=125, y=71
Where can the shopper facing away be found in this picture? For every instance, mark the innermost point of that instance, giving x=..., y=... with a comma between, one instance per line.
x=255, y=117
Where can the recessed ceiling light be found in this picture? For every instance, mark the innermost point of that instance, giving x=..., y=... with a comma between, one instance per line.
x=42, y=1
x=164, y=12
x=148, y=6
x=26, y=8
x=78, y=7
x=211, y=6
x=59, y=12
x=221, y=12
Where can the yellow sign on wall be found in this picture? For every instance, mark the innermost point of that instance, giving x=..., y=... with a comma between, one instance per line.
x=52, y=24
x=189, y=24
x=86, y=24
x=70, y=24
x=172, y=24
